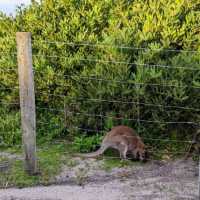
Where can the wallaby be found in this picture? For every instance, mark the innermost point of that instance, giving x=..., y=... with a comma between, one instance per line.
x=194, y=146
x=124, y=139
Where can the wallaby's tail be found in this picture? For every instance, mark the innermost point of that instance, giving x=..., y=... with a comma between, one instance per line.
x=93, y=154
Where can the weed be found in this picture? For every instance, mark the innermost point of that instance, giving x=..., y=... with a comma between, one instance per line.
x=50, y=159
x=81, y=175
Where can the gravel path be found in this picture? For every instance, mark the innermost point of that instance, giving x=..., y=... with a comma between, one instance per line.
x=62, y=192
x=175, y=180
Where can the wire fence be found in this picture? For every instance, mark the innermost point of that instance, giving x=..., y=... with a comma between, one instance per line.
x=61, y=112
x=97, y=79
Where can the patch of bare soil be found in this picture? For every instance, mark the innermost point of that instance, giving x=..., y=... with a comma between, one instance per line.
x=172, y=180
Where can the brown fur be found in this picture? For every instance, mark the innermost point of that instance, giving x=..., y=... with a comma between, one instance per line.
x=125, y=140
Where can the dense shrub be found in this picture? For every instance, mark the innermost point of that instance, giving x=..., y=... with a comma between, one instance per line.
x=126, y=83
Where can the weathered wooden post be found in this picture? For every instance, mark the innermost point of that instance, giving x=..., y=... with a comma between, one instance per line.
x=27, y=100
x=199, y=178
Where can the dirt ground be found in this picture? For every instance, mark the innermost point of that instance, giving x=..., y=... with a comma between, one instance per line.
x=87, y=180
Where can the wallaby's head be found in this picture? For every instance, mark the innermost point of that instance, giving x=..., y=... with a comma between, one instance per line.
x=142, y=152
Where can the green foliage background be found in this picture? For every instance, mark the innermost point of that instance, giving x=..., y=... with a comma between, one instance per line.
x=94, y=95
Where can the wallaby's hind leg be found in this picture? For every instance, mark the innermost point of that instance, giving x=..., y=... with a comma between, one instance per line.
x=125, y=151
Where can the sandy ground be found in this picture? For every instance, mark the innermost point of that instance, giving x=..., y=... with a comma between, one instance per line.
x=172, y=180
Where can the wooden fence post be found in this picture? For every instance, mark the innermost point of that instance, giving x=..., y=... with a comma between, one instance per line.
x=27, y=100
x=199, y=179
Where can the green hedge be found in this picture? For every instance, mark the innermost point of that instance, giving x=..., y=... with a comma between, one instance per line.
x=95, y=94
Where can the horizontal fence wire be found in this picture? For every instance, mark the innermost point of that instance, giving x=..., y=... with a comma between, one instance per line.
x=106, y=157
x=120, y=118
x=55, y=125
x=9, y=88
x=4, y=145
x=9, y=103
x=150, y=150
x=170, y=153
x=114, y=101
x=153, y=160
x=8, y=69
x=103, y=45
x=161, y=162
x=7, y=53
x=131, y=119
x=121, y=62
x=103, y=131
x=155, y=151
x=145, y=138
x=136, y=103
x=95, y=78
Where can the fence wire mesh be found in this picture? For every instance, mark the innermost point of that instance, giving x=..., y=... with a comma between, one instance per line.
x=86, y=95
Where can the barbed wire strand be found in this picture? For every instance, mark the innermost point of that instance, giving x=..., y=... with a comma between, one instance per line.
x=116, y=101
x=120, y=118
x=124, y=82
x=121, y=62
x=137, y=103
x=12, y=103
x=115, y=46
x=103, y=131
x=81, y=155
x=4, y=53
x=42, y=148
x=9, y=88
x=161, y=160
x=8, y=69
x=132, y=119
x=145, y=138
